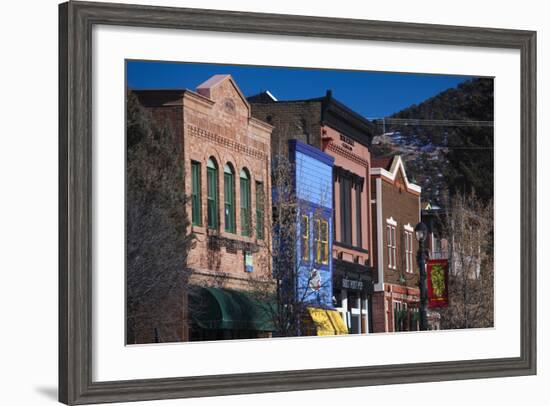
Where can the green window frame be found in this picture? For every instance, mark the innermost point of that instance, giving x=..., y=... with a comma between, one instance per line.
x=260, y=196
x=196, y=193
x=245, y=203
x=212, y=192
x=229, y=198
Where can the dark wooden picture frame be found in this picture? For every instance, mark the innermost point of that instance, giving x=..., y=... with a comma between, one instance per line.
x=76, y=20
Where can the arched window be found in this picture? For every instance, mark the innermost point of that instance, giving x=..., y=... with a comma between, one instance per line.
x=196, y=193
x=212, y=192
x=229, y=197
x=245, y=203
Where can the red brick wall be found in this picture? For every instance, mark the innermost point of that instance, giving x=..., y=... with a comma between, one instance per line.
x=378, y=313
x=382, y=305
x=404, y=207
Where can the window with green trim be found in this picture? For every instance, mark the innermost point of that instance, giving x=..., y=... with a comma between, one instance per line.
x=212, y=192
x=229, y=198
x=245, y=203
x=196, y=193
x=260, y=210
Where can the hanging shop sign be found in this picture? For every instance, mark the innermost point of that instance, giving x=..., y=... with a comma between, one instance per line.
x=438, y=276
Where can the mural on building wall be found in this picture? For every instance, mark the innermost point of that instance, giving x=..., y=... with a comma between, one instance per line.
x=266, y=202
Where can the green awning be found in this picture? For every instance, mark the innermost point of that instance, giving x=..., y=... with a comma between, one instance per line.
x=226, y=309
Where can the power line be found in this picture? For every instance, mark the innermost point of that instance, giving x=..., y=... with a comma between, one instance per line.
x=424, y=122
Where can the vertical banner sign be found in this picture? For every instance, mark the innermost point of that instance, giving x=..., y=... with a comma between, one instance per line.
x=437, y=271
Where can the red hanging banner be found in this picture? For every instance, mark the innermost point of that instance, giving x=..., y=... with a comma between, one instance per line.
x=437, y=272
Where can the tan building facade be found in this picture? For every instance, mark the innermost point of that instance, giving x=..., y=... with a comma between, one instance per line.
x=227, y=159
x=395, y=213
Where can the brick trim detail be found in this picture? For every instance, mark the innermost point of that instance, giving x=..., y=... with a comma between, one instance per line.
x=345, y=153
x=235, y=146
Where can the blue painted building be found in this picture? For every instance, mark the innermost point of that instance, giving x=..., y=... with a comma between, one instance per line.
x=314, y=204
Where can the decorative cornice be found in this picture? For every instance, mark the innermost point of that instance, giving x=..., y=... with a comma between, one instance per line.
x=225, y=142
x=346, y=154
x=350, y=247
x=343, y=119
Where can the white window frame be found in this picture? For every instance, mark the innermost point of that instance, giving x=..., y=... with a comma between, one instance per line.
x=399, y=305
x=391, y=243
x=408, y=252
x=409, y=264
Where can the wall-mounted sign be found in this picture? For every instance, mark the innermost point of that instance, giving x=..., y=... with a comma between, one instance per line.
x=248, y=262
x=347, y=142
x=437, y=271
x=352, y=284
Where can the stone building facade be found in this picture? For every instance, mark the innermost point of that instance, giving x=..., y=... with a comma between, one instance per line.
x=227, y=160
x=396, y=212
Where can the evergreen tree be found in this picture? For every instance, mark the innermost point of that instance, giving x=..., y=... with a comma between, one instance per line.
x=467, y=165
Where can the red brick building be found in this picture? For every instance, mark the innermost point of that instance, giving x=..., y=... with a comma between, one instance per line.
x=227, y=158
x=396, y=212
x=338, y=131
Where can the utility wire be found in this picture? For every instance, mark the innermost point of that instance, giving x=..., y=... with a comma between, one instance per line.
x=425, y=122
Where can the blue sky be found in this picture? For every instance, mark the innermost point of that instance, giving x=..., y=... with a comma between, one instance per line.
x=371, y=94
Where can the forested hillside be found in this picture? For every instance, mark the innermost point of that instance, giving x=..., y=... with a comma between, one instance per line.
x=446, y=141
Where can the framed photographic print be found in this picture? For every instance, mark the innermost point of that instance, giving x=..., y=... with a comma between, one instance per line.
x=239, y=188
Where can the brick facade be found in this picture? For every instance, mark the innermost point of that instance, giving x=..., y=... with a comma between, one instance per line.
x=215, y=123
x=396, y=212
x=291, y=121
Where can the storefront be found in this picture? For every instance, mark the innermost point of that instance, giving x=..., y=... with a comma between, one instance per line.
x=226, y=155
x=353, y=288
x=225, y=314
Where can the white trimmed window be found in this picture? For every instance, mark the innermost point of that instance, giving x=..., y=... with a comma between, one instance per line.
x=409, y=264
x=391, y=243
